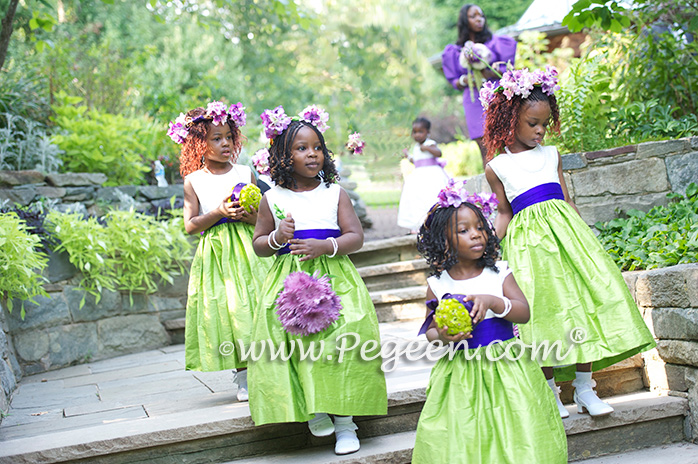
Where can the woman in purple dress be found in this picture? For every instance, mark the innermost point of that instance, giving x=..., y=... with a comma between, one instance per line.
x=472, y=26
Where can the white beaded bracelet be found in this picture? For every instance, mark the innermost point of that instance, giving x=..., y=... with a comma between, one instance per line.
x=272, y=237
x=335, y=247
x=507, y=308
x=462, y=80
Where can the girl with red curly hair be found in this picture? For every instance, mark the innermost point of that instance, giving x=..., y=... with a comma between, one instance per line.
x=224, y=279
x=577, y=295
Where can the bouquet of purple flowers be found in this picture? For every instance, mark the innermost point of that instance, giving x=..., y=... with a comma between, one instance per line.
x=307, y=304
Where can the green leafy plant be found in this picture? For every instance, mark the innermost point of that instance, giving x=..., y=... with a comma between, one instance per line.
x=124, y=251
x=100, y=142
x=584, y=103
x=24, y=144
x=20, y=262
x=664, y=236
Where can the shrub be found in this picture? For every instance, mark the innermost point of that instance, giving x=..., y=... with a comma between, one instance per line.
x=118, y=146
x=124, y=251
x=24, y=144
x=20, y=262
x=664, y=236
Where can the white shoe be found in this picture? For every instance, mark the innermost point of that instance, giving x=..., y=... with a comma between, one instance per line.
x=585, y=396
x=241, y=381
x=564, y=413
x=321, y=425
x=345, y=431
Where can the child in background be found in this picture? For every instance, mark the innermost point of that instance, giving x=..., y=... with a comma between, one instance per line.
x=576, y=292
x=309, y=221
x=493, y=406
x=424, y=183
x=224, y=279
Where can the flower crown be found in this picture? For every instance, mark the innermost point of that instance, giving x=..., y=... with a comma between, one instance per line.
x=454, y=194
x=217, y=112
x=520, y=82
x=276, y=121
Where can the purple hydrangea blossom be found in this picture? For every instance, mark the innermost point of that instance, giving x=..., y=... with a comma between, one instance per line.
x=454, y=194
x=261, y=161
x=178, y=130
x=237, y=114
x=355, y=143
x=315, y=116
x=307, y=304
x=275, y=121
x=218, y=112
x=521, y=82
x=487, y=93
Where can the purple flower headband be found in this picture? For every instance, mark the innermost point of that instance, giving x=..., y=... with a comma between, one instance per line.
x=276, y=121
x=217, y=112
x=454, y=194
x=520, y=82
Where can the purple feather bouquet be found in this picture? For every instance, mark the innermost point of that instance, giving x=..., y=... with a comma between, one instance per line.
x=307, y=304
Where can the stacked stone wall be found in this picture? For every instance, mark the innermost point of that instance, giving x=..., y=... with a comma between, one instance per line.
x=606, y=184
x=668, y=299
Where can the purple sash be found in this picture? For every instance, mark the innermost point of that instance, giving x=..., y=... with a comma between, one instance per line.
x=540, y=193
x=319, y=234
x=235, y=194
x=484, y=333
x=426, y=162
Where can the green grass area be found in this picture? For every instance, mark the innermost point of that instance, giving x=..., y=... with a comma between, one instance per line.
x=380, y=198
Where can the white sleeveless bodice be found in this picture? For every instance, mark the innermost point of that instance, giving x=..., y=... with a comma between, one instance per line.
x=315, y=209
x=487, y=283
x=520, y=172
x=212, y=189
x=418, y=154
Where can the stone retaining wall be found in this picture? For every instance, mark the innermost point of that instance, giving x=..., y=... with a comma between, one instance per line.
x=605, y=184
x=83, y=192
x=10, y=370
x=57, y=332
x=668, y=299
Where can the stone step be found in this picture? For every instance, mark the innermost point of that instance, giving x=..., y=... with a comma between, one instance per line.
x=640, y=420
x=400, y=304
x=389, y=250
x=395, y=275
x=115, y=411
x=675, y=453
x=130, y=410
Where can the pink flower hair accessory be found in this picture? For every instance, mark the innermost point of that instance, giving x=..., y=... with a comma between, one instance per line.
x=274, y=121
x=316, y=116
x=355, y=143
x=455, y=194
x=260, y=160
x=520, y=82
x=307, y=304
x=217, y=112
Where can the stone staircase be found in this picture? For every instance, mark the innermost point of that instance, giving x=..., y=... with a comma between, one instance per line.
x=216, y=428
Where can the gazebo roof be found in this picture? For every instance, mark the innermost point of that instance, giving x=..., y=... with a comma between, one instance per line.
x=544, y=16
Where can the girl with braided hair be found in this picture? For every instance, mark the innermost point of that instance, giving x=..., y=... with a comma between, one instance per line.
x=308, y=221
x=489, y=401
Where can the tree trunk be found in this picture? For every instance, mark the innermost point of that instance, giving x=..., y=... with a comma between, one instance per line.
x=6, y=31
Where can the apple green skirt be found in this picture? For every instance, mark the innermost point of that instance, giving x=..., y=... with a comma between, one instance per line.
x=577, y=295
x=336, y=371
x=488, y=410
x=225, y=281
